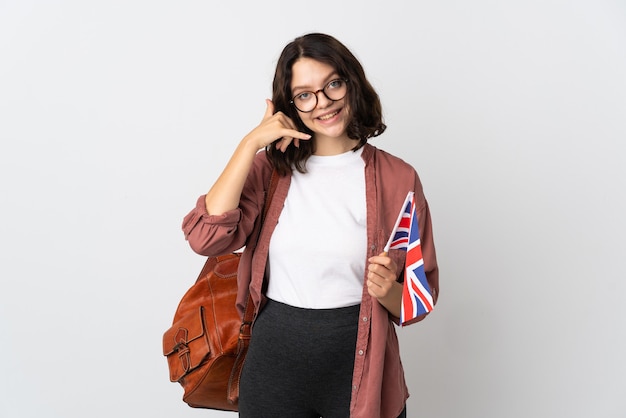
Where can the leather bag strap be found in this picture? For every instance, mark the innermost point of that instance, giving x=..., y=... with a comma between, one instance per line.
x=249, y=311
x=246, y=325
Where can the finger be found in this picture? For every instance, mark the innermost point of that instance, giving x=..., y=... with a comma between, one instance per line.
x=379, y=270
x=291, y=128
x=373, y=289
x=269, y=110
x=283, y=143
x=378, y=275
x=392, y=265
x=278, y=143
x=292, y=136
x=376, y=289
x=285, y=120
x=288, y=123
x=374, y=279
x=292, y=133
x=384, y=261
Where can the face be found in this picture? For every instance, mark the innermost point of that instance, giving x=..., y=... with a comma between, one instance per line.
x=329, y=119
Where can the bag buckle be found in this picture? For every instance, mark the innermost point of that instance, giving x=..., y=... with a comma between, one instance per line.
x=182, y=348
x=245, y=329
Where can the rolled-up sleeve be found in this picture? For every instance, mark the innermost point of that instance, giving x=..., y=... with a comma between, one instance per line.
x=212, y=235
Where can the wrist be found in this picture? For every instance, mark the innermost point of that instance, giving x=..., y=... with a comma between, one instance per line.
x=251, y=144
x=392, y=301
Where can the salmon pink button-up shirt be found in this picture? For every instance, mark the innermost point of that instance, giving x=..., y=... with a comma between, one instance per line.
x=378, y=385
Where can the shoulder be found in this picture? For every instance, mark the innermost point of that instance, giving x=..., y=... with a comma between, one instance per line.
x=392, y=170
x=388, y=163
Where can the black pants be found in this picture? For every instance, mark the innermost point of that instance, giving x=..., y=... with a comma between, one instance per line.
x=300, y=363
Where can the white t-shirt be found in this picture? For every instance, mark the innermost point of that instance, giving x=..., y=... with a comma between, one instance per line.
x=317, y=252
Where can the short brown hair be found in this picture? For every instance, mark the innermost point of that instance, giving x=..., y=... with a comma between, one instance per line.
x=365, y=109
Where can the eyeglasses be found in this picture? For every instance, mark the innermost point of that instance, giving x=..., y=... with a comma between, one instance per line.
x=307, y=100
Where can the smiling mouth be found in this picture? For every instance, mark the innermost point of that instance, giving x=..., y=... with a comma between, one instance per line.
x=329, y=116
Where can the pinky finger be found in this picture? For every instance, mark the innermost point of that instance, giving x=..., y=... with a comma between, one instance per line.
x=284, y=143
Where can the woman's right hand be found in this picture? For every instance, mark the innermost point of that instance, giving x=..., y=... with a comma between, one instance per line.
x=276, y=126
x=226, y=192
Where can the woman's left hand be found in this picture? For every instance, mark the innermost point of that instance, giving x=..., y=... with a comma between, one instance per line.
x=382, y=283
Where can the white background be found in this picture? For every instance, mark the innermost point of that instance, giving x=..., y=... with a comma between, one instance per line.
x=115, y=115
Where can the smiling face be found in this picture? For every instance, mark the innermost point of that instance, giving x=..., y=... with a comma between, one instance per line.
x=329, y=119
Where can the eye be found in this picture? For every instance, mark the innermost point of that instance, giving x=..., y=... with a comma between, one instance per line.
x=335, y=84
x=304, y=96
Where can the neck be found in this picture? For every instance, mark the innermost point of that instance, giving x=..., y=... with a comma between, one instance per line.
x=333, y=146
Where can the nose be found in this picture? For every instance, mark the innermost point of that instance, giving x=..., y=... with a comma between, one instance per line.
x=322, y=100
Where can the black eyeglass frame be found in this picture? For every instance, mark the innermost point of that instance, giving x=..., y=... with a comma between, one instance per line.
x=315, y=93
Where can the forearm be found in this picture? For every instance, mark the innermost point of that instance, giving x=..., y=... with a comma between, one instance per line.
x=226, y=192
x=392, y=300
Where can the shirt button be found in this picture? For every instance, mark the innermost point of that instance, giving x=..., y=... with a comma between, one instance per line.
x=365, y=319
x=360, y=352
x=354, y=387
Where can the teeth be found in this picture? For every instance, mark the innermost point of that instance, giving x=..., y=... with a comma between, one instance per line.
x=326, y=117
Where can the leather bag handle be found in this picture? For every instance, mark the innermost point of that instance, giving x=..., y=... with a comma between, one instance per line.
x=246, y=324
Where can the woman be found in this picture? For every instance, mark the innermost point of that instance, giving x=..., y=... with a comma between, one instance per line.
x=325, y=295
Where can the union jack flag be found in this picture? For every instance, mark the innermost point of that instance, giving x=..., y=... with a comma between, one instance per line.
x=400, y=240
x=416, y=294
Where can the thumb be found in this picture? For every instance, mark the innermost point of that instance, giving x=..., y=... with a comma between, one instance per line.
x=269, y=110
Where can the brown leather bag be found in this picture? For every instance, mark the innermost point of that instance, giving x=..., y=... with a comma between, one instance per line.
x=208, y=341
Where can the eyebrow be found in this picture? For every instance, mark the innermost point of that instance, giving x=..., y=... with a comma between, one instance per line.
x=332, y=76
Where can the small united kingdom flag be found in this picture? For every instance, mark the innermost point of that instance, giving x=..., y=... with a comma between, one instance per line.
x=416, y=294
